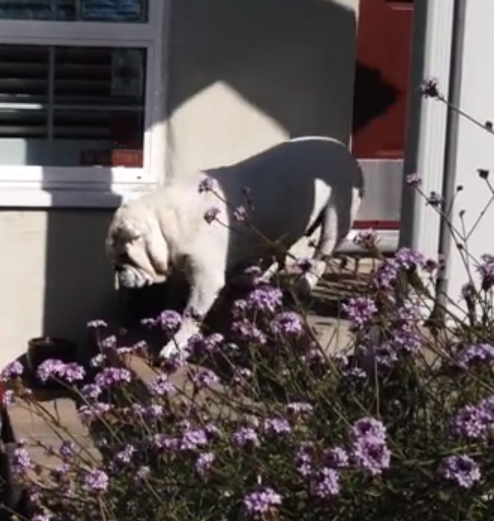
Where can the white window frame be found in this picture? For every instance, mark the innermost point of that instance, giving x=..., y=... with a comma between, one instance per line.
x=41, y=186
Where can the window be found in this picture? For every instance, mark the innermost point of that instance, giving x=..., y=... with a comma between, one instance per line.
x=70, y=10
x=81, y=99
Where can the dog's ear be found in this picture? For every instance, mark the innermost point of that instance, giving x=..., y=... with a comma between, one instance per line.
x=157, y=248
x=124, y=229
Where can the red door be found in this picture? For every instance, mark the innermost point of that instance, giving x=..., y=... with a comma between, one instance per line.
x=384, y=43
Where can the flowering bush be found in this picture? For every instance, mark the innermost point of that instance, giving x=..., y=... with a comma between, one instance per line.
x=267, y=424
x=264, y=422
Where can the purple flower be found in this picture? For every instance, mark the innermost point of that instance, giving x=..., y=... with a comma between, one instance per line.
x=241, y=376
x=52, y=368
x=304, y=459
x=192, y=439
x=384, y=354
x=12, y=370
x=240, y=214
x=261, y=501
x=8, y=397
x=385, y=276
x=470, y=422
x=299, y=408
x=406, y=259
x=434, y=199
x=368, y=427
x=474, y=354
x=211, y=214
x=126, y=454
x=486, y=270
x=161, y=385
x=413, y=180
x=153, y=411
x=204, y=463
x=366, y=239
x=169, y=320
x=204, y=345
x=474, y=421
x=67, y=450
x=110, y=376
x=203, y=378
x=360, y=311
x=335, y=458
x=165, y=441
x=245, y=436
x=276, y=426
x=110, y=342
x=248, y=332
x=403, y=340
x=96, y=481
x=368, y=445
x=429, y=88
x=206, y=185
x=91, y=391
x=287, y=323
x=461, y=469
x=41, y=517
x=98, y=360
x=327, y=483
x=371, y=455
x=97, y=324
x=265, y=299
x=487, y=406
x=21, y=460
x=89, y=413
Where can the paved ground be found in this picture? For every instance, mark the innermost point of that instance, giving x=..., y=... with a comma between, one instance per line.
x=333, y=335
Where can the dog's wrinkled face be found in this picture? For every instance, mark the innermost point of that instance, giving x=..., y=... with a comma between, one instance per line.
x=128, y=249
x=132, y=266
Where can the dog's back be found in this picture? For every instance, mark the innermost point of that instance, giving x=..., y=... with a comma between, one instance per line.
x=290, y=184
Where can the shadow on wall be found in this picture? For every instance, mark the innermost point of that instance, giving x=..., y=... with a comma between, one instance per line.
x=78, y=279
x=286, y=57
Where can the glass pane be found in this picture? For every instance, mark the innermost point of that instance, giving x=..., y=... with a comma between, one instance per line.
x=71, y=106
x=75, y=10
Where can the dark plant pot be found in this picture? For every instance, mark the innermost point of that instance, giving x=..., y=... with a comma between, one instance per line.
x=44, y=348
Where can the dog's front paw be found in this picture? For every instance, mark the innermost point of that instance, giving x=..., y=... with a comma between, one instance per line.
x=174, y=348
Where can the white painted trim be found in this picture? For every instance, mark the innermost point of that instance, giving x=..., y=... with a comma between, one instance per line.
x=427, y=121
x=32, y=32
x=36, y=186
x=80, y=197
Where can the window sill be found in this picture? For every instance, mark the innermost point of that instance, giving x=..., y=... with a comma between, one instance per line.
x=81, y=197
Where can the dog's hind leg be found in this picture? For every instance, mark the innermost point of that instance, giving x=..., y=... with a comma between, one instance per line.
x=336, y=220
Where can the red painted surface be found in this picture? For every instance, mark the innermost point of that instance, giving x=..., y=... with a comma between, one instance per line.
x=376, y=225
x=384, y=44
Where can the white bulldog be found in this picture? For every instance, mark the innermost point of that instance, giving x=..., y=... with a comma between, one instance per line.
x=213, y=221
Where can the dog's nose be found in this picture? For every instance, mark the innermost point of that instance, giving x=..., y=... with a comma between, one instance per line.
x=118, y=269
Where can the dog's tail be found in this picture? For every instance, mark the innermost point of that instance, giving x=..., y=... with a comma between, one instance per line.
x=318, y=222
x=315, y=225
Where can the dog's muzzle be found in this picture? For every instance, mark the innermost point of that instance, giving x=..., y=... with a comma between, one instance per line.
x=130, y=278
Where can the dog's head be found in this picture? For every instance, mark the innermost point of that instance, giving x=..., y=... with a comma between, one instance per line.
x=137, y=248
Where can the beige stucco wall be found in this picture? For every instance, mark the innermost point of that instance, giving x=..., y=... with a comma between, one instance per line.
x=54, y=275
x=246, y=74
x=243, y=75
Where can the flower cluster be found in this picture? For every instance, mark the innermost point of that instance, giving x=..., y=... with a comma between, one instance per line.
x=474, y=421
x=369, y=449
